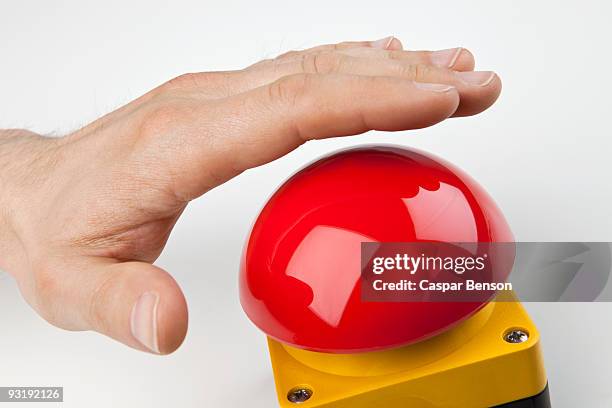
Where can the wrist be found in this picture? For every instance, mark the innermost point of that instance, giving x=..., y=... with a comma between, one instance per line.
x=7, y=233
x=15, y=147
x=8, y=241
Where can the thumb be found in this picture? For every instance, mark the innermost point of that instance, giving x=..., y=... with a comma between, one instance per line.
x=136, y=303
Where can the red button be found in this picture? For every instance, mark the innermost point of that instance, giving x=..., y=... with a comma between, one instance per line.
x=300, y=275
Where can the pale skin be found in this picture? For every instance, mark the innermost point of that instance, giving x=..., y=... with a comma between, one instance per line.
x=83, y=217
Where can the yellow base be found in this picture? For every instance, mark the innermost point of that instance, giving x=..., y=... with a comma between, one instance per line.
x=469, y=366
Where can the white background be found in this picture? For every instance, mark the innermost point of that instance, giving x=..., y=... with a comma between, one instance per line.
x=543, y=152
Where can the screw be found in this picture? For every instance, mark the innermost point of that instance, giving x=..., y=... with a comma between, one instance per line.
x=516, y=336
x=299, y=395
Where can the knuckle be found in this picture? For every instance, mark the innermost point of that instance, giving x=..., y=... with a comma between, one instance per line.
x=394, y=55
x=160, y=116
x=206, y=84
x=183, y=81
x=98, y=307
x=421, y=71
x=416, y=72
x=263, y=62
x=196, y=80
x=290, y=90
x=321, y=63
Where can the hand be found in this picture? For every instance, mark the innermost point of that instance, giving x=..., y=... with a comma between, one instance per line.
x=83, y=217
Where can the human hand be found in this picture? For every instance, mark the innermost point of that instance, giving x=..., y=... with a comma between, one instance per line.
x=83, y=217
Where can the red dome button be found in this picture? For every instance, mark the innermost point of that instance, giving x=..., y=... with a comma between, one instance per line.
x=300, y=275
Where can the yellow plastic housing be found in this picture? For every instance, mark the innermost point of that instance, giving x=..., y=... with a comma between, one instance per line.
x=469, y=366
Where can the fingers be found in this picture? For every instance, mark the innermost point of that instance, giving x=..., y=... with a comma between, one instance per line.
x=266, y=123
x=135, y=303
x=320, y=106
x=458, y=59
x=387, y=43
x=477, y=90
x=214, y=85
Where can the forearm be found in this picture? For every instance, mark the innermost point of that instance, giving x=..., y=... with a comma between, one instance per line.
x=8, y=243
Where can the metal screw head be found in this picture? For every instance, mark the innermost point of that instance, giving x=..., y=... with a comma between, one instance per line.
x=516, y=336
x=298, y=395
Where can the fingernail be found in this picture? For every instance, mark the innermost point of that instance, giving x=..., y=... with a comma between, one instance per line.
x=479, y=78
x=383, y=43
x=445, y=58
x=144, y=321
x=433, y=87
